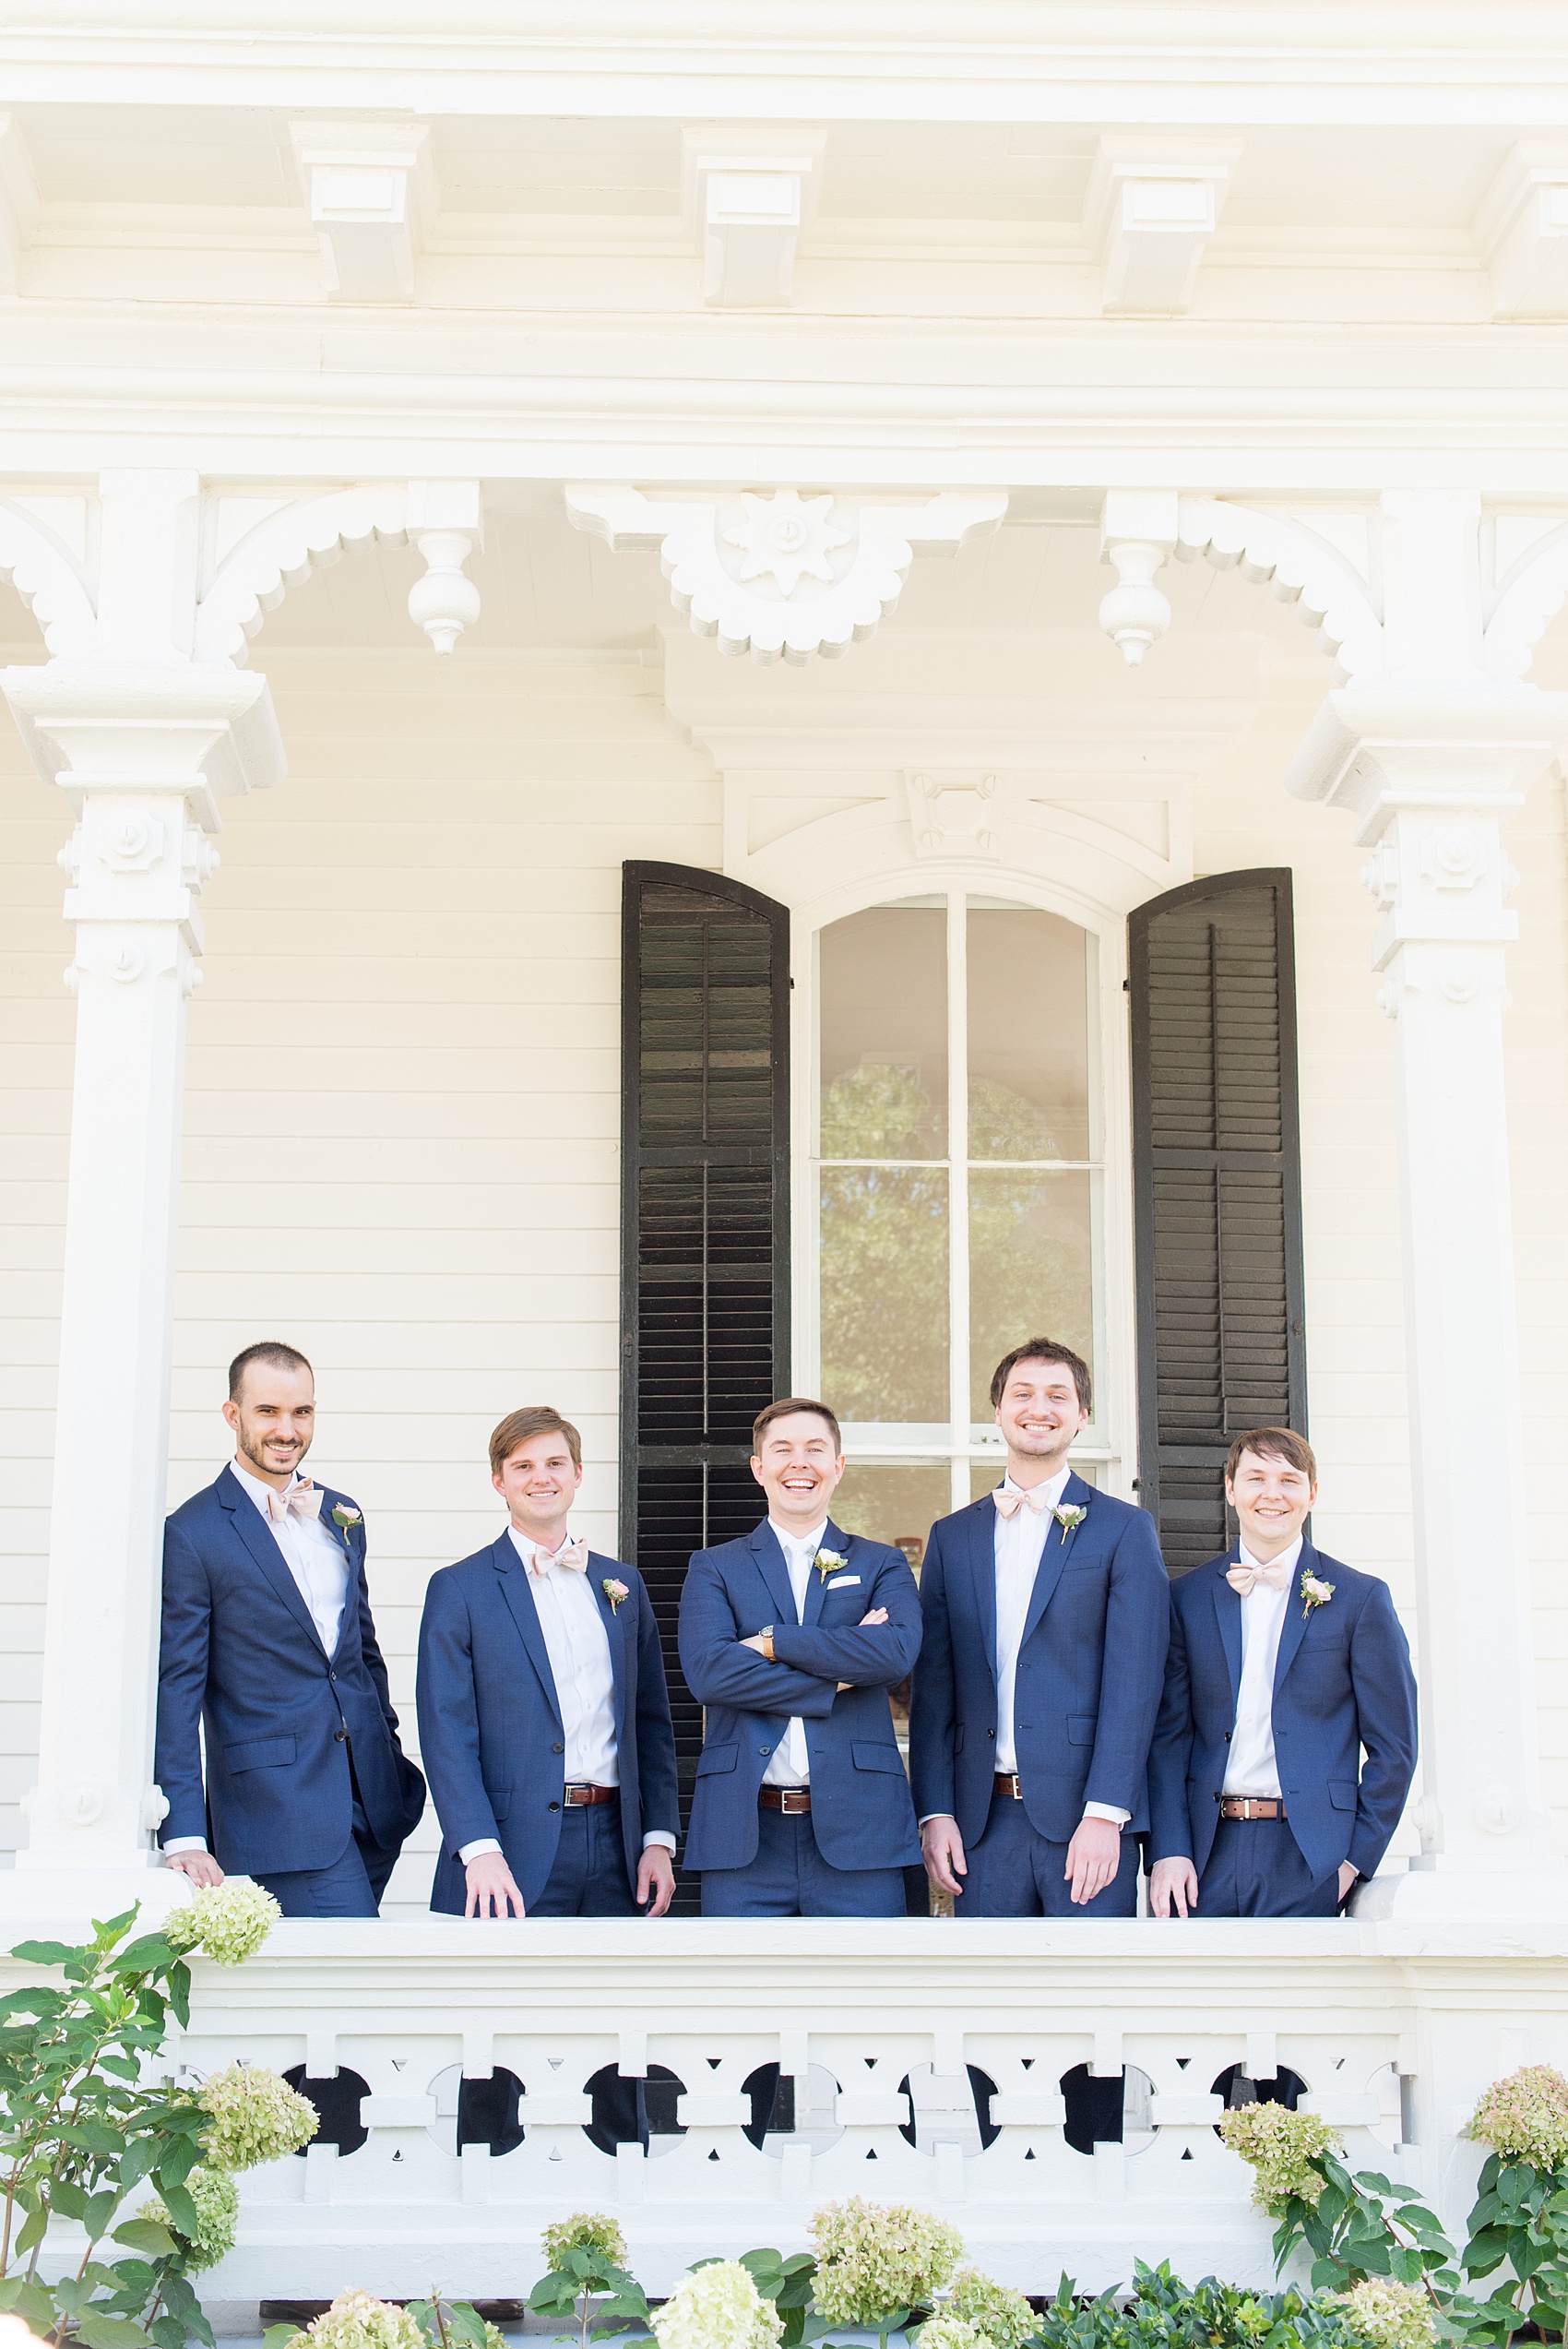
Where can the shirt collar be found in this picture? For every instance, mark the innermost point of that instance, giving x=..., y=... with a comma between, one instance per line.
x=804, y=1544
x=1054, y=1491
x=528, y=1550
x=260, y=1492
x=1287, y=1558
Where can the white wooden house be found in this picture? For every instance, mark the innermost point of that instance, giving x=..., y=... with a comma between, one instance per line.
x=803, y=838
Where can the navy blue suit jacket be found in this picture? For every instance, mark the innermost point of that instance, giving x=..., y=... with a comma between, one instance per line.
x=241, y=1653
x=1343, y=1680
x=860, y=1813
x=490, y=1725
x=1088, y=1686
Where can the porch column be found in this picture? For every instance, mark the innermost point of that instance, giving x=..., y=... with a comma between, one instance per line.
x=1434, y=763
x=144, y=743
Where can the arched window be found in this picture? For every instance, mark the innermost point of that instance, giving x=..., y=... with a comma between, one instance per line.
x=957, y=1169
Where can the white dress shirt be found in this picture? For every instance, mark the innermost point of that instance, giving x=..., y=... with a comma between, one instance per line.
x=1020, y=1545
x=1250, y=1767
x=318, y=1562
x=791, y=1765
x=578, y=1644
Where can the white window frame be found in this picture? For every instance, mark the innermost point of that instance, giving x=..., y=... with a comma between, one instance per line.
x=1107, y=1444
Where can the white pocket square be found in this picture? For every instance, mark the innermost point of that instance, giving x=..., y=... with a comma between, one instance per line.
x=845, y=1582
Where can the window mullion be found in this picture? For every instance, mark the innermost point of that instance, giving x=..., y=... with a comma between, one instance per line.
x=958, y=1195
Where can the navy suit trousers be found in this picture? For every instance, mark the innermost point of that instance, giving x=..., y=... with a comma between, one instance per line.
x=1016, y=1871
x=1255, y=1868
x=588, y=1877
x=789, y=1878
x=352, y=1886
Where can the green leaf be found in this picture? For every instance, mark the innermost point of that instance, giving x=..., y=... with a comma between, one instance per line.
x=278, y=2336
x=465, y=2320
x=44, y=1953
x=33, y=2229
x=181, y=2209
x=149, y=2236
x=110, y=2333
x=167, y=2331
x=179, y=1992
x=99, y=2210
x=151, y=1954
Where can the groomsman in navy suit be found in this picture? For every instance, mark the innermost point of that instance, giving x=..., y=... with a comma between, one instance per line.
x=544, y=1720
x=792, y=1638
x=267, y=1640
x=1035, y=1696
x=1284, y=1665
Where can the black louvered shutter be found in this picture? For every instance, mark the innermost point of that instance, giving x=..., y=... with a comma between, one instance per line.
x=705, y=1312
x=1217, y=1192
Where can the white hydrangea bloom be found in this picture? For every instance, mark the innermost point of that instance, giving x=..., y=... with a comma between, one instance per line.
x=719, y=2308
x=874, y=2258
x=359, y=2321
x=217, y=2199
x=1389, y=2315
x=256, y=2116
x=949, y=2332
x=227, y=1922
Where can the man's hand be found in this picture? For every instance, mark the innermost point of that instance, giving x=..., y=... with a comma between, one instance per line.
x=1173, y=1888
x=491, y=1885
x=656, y=1876
x=1348, y=1872
x=1093, y=1857
x=941, y=1848
x=200, y=1867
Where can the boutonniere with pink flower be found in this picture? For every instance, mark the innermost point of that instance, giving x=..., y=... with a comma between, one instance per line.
x=1314, y=1593
x=343, y=1517
x=615, y=1591
x=1069, y=1515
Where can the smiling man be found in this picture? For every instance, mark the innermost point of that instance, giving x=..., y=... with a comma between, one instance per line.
x=1284, y=1665
x=269, y=1644
x=544, y=1719
x=791, y=1638
x=1046, y=1621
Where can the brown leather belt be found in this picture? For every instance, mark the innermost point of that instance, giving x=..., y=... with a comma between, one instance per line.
x=579, y=1798
x=1007, y=1783
x=1250, y=1807
x=791, y=1800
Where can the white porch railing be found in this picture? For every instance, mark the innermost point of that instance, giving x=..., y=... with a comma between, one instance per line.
x=1395, y=2032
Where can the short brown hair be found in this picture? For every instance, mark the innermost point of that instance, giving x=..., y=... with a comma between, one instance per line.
x=535, y=1419
x=1043, y=1350
x=271, y=1350
x=765, y=1418
x=1273, y=1443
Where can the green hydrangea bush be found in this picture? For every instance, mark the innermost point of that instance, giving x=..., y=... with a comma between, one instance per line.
x=876, y=2262
x=92, y=2130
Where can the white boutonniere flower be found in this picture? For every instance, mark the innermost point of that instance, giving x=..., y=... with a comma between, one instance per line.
x=343, y=1517
x=615, y=1591
x=1070, y=1518
x=1314, y=1593
x=828, y=1562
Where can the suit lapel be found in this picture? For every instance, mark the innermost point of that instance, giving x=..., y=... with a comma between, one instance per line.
x=775, y=1573
x=1294, y=1628
x=256, y=1535
x=1075, y=1494
x=1228, y=1615
x=514, y=1577
x=340, y=1533
x=982, y=1564
x=833, y=1538
x=616, y=1632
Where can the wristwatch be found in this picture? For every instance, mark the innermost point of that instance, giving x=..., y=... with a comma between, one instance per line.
x=765, y=1634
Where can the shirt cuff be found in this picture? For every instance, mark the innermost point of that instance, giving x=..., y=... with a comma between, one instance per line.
x=1107, y=1811
x=467, y=1851
x=184, y=1844
x=662, y=1837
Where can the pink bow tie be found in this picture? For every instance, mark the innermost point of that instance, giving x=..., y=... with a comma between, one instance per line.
x=1009, y=1504
x=303, y=1499
x=1244, y=1578
x=573, y=1555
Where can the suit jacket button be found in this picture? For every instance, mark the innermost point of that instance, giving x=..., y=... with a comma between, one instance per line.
x=765, y=1749
x=558, y=1749
x=341, y=1736
x=554, y=1806
x=332, y=1676
x=991, y=1733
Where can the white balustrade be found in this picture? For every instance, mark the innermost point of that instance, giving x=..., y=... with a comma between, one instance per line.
x=881, y=2028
